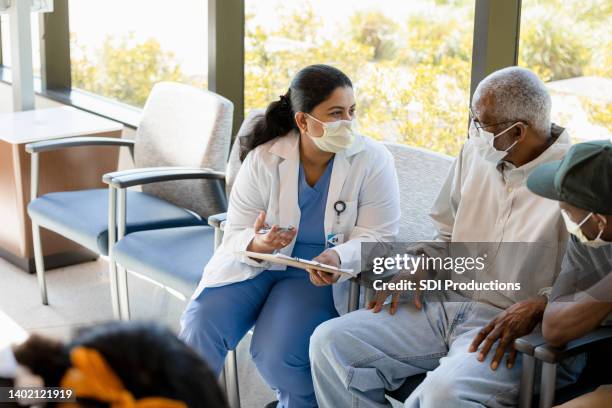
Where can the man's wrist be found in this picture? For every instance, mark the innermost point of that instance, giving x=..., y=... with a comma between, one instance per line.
x=540, y=303
x=543, y=299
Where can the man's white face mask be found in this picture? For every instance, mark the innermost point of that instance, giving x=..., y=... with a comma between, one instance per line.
x=337, y=135
x=575, y=229
x=487, y=140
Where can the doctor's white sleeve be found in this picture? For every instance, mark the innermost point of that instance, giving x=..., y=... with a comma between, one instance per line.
x=245, y=203
x=378, y=214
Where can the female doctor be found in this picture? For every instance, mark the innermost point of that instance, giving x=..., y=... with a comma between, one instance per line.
x=323, y=189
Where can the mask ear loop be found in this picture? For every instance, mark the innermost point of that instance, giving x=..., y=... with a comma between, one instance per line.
x=603, y=227
x=501, y=133
x=312, y=117
x=511, y=146
x=323, y=124
x=585, y=219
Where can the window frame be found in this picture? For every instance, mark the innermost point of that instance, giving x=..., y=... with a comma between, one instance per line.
x=495, y=46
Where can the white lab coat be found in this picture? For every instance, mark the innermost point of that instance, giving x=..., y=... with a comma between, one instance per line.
x=363, y=176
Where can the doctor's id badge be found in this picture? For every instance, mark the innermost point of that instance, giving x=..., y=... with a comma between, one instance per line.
x=334, y=239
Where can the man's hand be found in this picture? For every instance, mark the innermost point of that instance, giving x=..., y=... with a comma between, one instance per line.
x=321, y=278
x=516, y=321
x=381, y=295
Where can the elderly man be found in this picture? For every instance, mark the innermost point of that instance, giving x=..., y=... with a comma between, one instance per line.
x=357, y=357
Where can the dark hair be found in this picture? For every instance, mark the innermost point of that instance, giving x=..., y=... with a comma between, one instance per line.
x=311, y=86
x=149, y=360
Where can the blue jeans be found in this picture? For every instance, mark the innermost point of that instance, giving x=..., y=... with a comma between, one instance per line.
x=358, y=356
x=285, y=308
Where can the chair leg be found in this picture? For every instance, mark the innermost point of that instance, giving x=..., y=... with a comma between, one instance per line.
x=222, y=382
x=547, y=388
x=527, y=376
x=231, y=379
x=124, y=300
x=353, y=302
x=114, y=289
x=112, y=265
x=39, y=262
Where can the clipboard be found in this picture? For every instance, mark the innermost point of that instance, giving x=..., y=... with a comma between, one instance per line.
x=297, y=262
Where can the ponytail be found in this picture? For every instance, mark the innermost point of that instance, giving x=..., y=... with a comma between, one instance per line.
x=277, y=121
x=311, y=86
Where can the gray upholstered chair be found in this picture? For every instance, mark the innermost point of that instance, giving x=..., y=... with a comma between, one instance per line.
x=421, y=174
x=180, y=126
x=175, y=257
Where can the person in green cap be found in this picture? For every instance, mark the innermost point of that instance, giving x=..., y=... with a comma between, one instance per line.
x=581, y=299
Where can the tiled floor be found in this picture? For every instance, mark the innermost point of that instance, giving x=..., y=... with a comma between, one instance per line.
x=79, y=296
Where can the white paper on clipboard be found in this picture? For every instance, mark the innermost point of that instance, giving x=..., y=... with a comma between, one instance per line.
x=297, y=262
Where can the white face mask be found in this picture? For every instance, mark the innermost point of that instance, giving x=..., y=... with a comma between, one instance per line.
x=336, y=136
x=575, y=229
x=487, y=141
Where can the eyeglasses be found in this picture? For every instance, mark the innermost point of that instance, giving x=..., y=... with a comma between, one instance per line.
x=479, y=125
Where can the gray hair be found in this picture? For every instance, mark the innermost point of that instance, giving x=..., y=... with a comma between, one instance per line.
x=518, y=95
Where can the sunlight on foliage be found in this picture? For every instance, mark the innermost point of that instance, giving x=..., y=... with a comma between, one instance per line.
x=412, y=77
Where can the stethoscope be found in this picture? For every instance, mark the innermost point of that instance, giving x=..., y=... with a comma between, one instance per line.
x=339, y=206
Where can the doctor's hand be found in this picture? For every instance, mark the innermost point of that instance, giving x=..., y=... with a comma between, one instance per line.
x=272, y=240
x=321, y=278
x=381, y=296
x=516, y=321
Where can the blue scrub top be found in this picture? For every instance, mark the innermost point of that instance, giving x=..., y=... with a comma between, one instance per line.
x=310, y=240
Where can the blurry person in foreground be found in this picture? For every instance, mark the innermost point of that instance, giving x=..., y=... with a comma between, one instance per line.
x=119, y=365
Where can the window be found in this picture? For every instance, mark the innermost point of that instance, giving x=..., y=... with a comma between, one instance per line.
x=410, y=61
x=120, y=49
x=569, y=44
x=6, y=42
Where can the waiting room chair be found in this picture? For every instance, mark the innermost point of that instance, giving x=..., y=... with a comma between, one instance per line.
x=535, y=352
x=180, y=126
x=175, y=257
x=421, y=174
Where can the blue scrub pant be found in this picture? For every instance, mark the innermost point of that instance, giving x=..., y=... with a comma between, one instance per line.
x=285, y=308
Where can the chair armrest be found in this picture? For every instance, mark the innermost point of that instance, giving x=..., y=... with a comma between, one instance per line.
x=527, y=344
x=217, y=219
x=55, y=144
x=136, y=177
x=554, y=355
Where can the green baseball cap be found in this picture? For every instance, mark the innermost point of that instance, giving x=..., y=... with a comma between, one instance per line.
x=583, y=178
